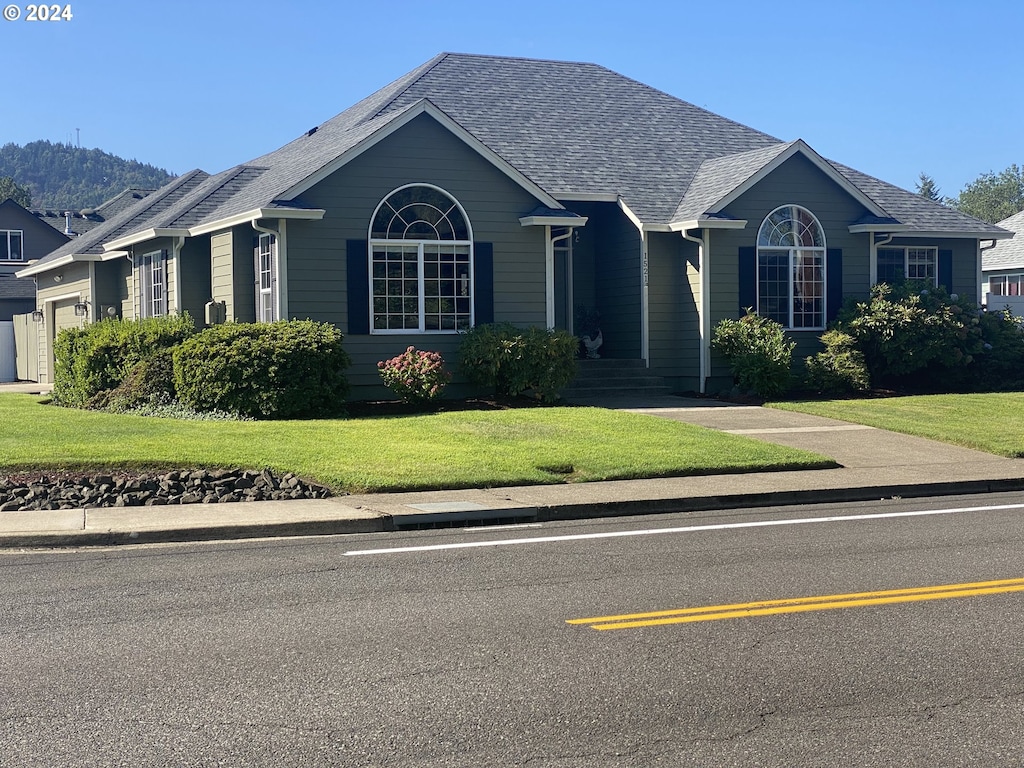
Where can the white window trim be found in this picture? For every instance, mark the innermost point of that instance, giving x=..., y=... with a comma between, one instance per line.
x=271, y=290
x=152, y=264
x=934, y=249
x=6, y=234
x=421, y=280
x=792, y=253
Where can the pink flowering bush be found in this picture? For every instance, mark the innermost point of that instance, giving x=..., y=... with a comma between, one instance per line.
x=415, y=376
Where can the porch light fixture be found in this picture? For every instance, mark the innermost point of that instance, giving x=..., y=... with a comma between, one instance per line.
x=81, y=309
x=37, y=315
x=58, y=278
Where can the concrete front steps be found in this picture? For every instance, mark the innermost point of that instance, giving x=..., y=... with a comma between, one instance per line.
x=608, y=378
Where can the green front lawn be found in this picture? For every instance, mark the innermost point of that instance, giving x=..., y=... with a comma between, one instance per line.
x=991, y=422
x=462, y=449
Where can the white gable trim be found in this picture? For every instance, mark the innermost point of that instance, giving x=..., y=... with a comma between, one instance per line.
x=801, y=147
x=423, y=106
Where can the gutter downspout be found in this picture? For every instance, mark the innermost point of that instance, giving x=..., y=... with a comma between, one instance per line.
x=873, y=256
x=177, y=243
x=281, y=257
x=979, y=275
x=135, y=280
x=704, y=307
x=549, y=276
x=645, y=320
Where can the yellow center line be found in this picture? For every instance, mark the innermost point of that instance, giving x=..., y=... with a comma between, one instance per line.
x=800, y=604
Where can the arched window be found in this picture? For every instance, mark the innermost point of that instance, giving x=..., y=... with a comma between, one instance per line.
x=791, y=268
x=421, y=263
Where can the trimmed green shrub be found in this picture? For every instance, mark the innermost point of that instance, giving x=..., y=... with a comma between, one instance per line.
x=758, y=353
x=98, y=357
x=839, y=369
x=416, y=376
x=914, y=335
x=283, y=370
x=510, y=361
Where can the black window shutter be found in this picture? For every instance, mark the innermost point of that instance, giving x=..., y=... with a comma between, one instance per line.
x=946, y=270
x=747, y=278
x=834, y=289
x=483, y=282
x=358, y=287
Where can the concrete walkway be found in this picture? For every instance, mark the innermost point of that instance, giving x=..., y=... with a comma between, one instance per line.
x=875, y=464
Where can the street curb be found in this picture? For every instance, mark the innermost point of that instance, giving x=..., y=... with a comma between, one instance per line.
x=777, y=498
x=184, y=535
x=552, y=513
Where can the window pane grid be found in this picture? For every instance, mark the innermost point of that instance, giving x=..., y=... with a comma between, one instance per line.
x=11, y=245
x=791, y=268
x=421, y=263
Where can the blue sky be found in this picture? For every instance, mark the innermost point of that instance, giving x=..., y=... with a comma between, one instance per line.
x=890, y=88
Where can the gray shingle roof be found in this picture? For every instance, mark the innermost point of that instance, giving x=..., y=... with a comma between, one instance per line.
x=137, y=217
x=12, y=287
x=917, y=212
x=89, y=218
x=718, y=176
x=1007, y=254
x=574, y=130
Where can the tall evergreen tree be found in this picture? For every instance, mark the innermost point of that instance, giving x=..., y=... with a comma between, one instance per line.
x=927, y=188
x=9, y=188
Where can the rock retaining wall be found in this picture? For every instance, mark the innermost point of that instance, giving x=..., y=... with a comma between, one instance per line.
x=21, y=493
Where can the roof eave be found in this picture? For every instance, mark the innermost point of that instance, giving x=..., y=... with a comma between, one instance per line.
x=41, y=266
x=951, y=234
x=142, y=236
x=704, y=222
x=553, y=221
x=307, y=214
x=858, y=229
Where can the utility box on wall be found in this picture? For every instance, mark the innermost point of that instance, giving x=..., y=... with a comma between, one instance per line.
x=216, y=312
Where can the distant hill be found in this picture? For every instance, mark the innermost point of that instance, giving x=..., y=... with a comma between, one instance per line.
x=63, y=177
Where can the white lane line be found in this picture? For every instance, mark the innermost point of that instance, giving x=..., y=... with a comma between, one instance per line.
x=685, y=529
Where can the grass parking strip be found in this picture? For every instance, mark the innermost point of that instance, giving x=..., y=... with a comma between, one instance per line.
x=800, y=605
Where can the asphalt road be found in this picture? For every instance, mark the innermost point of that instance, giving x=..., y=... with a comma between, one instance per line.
x=341, y=651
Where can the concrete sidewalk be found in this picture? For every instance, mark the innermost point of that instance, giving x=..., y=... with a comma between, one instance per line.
x=875, y=464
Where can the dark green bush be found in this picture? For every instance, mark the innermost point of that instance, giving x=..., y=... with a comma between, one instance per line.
x=283, y=370
x=911, y=334
x=1000, y=364
x=510, y=361
x=98, y=357
x=839, y=369
x=759, y=355
x=149, y=382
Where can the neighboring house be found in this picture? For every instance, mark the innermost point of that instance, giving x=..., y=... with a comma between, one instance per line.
x=74, y=223
x=23, y=237
x=478, y=189
x=1002, y=269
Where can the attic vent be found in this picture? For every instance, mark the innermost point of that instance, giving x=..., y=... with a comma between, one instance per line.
x=312, y=130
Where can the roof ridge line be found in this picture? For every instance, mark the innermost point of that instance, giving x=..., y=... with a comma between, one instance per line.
x=429, y=67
